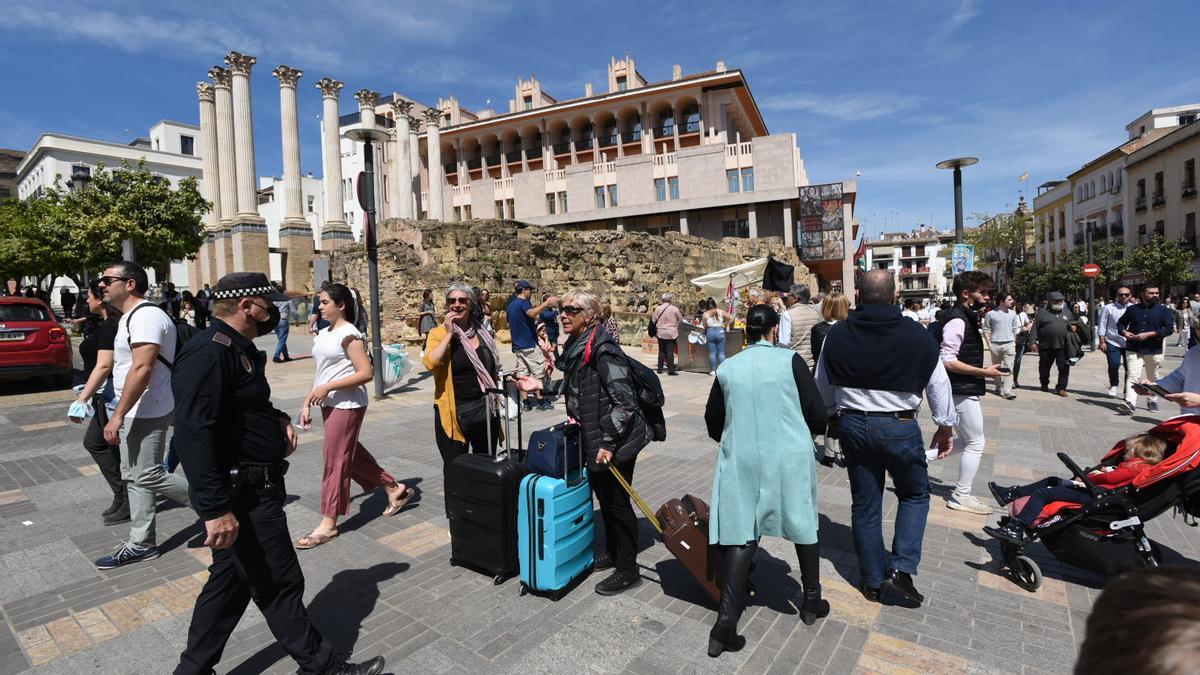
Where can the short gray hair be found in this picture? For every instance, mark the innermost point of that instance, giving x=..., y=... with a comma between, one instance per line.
x=474, y=310
x=668, y=297
x=585, y=300
x=800, y=292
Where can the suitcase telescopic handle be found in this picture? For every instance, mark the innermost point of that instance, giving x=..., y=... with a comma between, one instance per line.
x=637, y=499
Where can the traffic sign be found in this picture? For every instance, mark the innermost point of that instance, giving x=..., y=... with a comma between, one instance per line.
x=1091, y=270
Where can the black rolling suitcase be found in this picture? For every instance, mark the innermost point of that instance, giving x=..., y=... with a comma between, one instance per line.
x=481, y=500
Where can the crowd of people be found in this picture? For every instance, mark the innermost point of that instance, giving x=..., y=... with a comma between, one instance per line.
x=799, y=392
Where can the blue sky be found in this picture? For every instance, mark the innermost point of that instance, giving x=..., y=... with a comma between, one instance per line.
x=883, y=88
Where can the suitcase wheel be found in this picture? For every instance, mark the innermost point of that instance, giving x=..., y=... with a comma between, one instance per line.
x=523, y=589
x=453, y=562
x=751, y=589
x=555, y=596
x=498, y=579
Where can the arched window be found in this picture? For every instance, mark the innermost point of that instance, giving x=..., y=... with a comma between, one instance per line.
x=1103, y=184
x=666, y=123
x=691, y=119
x=611, y=133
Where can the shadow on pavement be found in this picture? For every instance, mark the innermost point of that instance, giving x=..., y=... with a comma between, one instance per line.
x=376, y=501
x=338, y=611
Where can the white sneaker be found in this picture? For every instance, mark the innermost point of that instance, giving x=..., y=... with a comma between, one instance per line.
x=1152, y=406
x=1112, y=392
x=969, y=504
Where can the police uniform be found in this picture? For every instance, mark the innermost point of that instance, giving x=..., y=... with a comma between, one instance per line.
x=231, y=443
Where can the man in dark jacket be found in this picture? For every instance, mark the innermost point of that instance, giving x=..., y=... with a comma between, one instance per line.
x=1144, y=326
x=1049, y=337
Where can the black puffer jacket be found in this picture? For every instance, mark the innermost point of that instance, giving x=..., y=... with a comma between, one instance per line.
x=600, y=396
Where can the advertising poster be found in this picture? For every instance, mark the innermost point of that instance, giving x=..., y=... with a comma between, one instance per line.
x=821, y=228
x=962, y=258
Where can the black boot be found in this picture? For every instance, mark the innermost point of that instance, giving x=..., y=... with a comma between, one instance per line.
x=735, y=569
x=814, y=607
x=1011, y=531
x=1003, y=495
x=118, y=502
x=369, y=667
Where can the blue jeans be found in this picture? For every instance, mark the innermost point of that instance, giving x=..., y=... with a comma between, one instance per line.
x=1049, y=490
x=716, y=347
x=281, y=332
x=1116, y=357
x=871, y=446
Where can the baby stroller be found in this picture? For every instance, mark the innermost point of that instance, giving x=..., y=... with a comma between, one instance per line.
x=1108, y=535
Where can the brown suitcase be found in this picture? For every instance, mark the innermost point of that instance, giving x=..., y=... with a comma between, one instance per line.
x=683, y=524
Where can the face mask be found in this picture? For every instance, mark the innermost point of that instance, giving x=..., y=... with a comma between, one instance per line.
x=268, y=326
x=1057, y=306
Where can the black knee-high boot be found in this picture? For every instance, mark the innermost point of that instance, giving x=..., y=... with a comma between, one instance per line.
x=813, y=608
x=735, y=567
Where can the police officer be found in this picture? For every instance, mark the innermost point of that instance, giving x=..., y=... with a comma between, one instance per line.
x=232, y=442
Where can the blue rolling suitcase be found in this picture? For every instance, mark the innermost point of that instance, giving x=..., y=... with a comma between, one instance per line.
x=555, y=531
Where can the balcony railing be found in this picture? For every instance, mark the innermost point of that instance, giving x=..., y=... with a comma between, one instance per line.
x=473, y=164
x=1188, y=188
x=1118, y=229
x=606, y=141
x=450, y=168
x=1078, y=238
x=1139, y=204
x=562, y=148
x=492, y=160
x=631, y=136
x=664, y=131
x=512, y=157
x=690, y=127
x=1101, y=232
x=583, y=144
x=1159, y=200
x=533, y=153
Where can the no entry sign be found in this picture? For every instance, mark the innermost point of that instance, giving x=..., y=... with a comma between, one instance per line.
x=1091, y=270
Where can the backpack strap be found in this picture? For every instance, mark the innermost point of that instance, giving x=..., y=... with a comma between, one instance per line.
x=129, y=338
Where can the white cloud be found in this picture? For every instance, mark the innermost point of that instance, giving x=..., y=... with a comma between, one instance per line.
x=851, y=107
x=967, y=10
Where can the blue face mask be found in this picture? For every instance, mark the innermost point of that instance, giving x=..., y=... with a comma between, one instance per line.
x=79, y=411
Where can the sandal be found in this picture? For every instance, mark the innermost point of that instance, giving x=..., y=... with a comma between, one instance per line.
x=315, y=539
x=398, y=505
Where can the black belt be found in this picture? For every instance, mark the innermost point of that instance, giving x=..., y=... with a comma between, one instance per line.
x=257, y=475
x=895, y=414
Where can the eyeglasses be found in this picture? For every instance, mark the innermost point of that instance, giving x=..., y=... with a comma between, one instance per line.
x=458, y=301
x=571, y=310
x=108, y=280
x=1124, y=294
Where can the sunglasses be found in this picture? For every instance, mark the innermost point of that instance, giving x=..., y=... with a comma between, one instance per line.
x=1124, y=294
x=109, y=280
x=571, y=310
x=458, y=301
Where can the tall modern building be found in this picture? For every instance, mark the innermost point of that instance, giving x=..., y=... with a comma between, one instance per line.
x=689, y=154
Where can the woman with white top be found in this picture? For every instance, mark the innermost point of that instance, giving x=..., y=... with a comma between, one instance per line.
x=715, y=321
x=339, y=388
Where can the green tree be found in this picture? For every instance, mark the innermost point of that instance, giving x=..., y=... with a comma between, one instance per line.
x=1031, y=281
x=36, y=239
x=1004, y=238
x=1162, y=262
x=1114, y=263
x=133, y=203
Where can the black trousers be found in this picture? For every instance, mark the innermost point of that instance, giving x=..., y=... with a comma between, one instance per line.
x=666, y=354
x=107, y=457
x=1058, y=357
x=261, y=566
x=476, y=434
x=617, y=516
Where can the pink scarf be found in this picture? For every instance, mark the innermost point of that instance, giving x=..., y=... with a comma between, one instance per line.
x=486, y=381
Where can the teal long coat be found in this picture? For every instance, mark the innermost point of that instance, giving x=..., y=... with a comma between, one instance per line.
x=765, y=478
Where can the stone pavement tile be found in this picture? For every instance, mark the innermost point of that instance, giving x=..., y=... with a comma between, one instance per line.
x=1052, y=590
x=888, y=655
x=814, y=644
x=123, y=615
x=68, y=634
x=847, y=604
x=11, y=496
x=12, y=660
x=417, y=540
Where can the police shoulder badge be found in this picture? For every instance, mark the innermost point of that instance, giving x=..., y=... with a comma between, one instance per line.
x=246, y=363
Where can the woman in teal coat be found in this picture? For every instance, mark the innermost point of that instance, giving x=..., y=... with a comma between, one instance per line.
x=764, y=409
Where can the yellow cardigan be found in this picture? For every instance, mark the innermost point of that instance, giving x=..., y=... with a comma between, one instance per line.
x=443, y=384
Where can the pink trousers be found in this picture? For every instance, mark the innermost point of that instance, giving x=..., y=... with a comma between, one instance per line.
x=346, y=458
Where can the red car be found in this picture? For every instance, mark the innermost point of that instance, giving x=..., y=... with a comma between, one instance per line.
x=32, y=343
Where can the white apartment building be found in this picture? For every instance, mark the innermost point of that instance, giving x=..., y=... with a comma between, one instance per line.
x=917, y=259
x=1162, y=179
x=691, y=154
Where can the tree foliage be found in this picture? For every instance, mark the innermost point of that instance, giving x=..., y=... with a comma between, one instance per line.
x=1004, y=238
x=64, y=233
x=1031, y=281
x=1162, y=262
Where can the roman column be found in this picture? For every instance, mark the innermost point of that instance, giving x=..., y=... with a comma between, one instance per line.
x=210, y=183
x=249, y=234
x=335, y=233
x=295, y=234
x=414, y=158
x=226, y=169
x=437, y=176
x=367, y=100
x=400, y=161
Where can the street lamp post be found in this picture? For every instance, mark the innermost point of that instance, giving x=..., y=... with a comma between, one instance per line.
x=366, y=197
x=957, y=164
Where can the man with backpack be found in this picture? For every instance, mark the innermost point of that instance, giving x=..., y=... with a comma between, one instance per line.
x=143, y=356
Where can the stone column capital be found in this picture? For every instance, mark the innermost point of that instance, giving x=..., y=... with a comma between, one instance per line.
x=220, y=76
x=206, y=92
x=414, y=124
x=401, y=107
x=287, y=76
x=367, y=99
x=329, y=87
x=240, y=63
x=393, y=134
x=433, y=117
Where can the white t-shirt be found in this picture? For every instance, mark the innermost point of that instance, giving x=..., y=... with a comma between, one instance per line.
x=912, y=315
x=149, y=324
x=333, y=363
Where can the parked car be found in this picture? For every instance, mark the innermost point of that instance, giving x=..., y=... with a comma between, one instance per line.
x=32, y=343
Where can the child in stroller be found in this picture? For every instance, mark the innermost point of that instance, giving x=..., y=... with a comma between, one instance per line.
x=1142, y=451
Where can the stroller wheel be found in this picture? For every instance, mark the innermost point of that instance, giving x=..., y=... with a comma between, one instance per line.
x=1026, y=573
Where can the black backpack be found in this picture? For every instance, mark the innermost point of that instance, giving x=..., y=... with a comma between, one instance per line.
x=648, y=388
x=183, y=332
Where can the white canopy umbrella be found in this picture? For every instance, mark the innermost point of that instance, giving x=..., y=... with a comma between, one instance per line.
x=747, y=274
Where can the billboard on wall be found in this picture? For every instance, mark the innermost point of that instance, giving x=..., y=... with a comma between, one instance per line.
x=821, y=229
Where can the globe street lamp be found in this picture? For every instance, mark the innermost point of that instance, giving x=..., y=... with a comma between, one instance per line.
x=957, y=164
x=369, y=136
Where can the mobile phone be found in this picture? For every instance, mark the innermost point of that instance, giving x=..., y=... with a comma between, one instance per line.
x=1153, y=388
x=1004, y=370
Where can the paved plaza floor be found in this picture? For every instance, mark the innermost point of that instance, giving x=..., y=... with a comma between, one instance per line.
x=385, y=585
